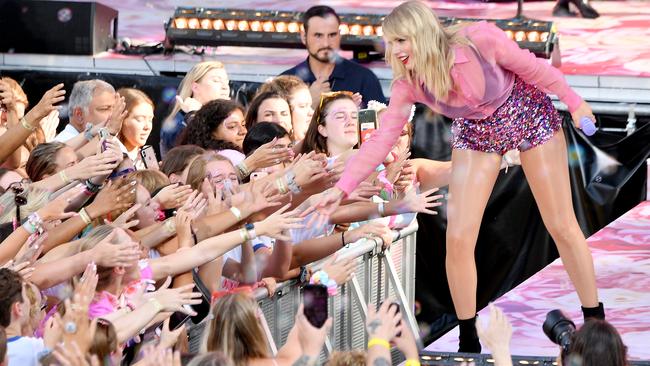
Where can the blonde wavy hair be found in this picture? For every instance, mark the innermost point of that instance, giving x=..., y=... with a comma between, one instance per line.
x=430, y=43
x=196, y=73
x=235, y=330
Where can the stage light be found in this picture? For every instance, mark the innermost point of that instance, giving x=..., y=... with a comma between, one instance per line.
x=242, y=25
x=520, y=36
x=361, y=33
x=268, y=26
x=206, y=24
x=281, y=27
x=293, y=27
x=180, y=23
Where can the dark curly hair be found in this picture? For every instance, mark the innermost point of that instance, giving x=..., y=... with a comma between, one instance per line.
x=11, y=292
x=260, y=134
x=205, y=121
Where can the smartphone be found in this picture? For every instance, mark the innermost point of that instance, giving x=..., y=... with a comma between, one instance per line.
x=367, y=124
x=177, y=319
x=314, y=298
x=103, y=136
x=149, y=157
x=258, y=175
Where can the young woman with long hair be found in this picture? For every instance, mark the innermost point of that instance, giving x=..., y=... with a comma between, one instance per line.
x=495, y=92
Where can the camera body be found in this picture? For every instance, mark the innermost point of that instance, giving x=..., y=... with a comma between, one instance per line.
x=559, y=329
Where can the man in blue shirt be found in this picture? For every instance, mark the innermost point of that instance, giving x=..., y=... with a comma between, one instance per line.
x=324, y=70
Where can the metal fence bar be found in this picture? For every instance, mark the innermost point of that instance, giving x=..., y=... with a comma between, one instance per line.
x=349, y=308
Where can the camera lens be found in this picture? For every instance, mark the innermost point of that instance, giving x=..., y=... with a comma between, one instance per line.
x=559, y=328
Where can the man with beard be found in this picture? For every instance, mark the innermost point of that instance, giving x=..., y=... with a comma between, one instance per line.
x=324, y=70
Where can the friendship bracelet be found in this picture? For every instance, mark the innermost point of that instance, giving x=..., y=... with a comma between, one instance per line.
x=412, y=362
x=84, y=216
x=291, y=182
x=237, y=212
x=27, y=126
x=381, y=209
x=279, y=183
x=378, y=342
x=64, y=177
x=33, y=224
x=243, y=233
x=245, y=172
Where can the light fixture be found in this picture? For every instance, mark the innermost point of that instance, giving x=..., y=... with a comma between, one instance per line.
x=360, y=33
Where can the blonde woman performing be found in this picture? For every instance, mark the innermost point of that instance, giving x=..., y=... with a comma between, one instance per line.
x=496, y=94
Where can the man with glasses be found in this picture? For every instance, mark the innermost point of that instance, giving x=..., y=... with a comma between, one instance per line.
x=324, y=70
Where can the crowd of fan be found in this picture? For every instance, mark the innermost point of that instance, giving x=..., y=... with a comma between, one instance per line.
x=102, y=241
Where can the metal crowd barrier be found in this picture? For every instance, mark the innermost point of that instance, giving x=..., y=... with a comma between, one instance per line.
x=379, y=275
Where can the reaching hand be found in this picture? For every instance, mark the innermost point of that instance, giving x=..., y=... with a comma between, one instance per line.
x=406, y=342
x=498, y=333
x=216, y=204
x=173, y=299
x=363, y=192
x=107, y=254
x=49, y=124
x=188, y=104
x=55, y=209
x=115, y=196
x=124, y=220
x=260, y=197
x=71, y=355
x=173, y=196
x=420, y=203
x=159, y=356
x=308, y=169
x=268, y=155
x=406, y=177
x=318, y=87
x=368, y=231
x=340, y=271
x=45, y=105
x=279, y=223
x=168, y=337
x=183, y=225
x=384, y=322
x=114, y=123
x=195, y=204
x=93, y=166
x=24, y=269
x=324, y=205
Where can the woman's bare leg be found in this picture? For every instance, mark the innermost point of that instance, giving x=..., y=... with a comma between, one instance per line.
x=547, y=172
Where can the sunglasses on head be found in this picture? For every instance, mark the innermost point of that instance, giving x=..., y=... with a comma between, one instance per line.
x=330, y=95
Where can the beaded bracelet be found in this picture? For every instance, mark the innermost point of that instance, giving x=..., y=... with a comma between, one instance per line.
x=322, y=278
x=291, y=182
x=33, y=224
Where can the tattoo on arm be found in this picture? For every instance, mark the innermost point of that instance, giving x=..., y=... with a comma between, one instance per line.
x=373, y=325
x=304, y=361
x=381, y=361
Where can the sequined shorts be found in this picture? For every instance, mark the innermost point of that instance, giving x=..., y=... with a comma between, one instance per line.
x=525, y=120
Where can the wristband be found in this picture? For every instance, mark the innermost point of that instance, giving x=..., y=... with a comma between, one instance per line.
x=237, y=212
x=250, y=229
x=33, y=224
x=84, y=216
x=27, y=126
x=64, y=177
x=291, y=182
x=156, y=304
x=88, y=132
x=243, y=169
x=412, y=362
x=342, y=239
x=378, y=342
x=243, y=233
x=170, y=226
x=279, y=183
x=92, y=187
x=381, y=209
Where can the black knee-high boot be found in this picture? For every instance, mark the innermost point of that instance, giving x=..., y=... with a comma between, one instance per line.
x=596, y=313
x=468, y=338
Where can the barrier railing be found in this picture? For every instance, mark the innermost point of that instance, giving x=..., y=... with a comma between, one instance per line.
x=379, y=274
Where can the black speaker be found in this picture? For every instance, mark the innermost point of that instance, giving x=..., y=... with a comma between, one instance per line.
x=56, y=27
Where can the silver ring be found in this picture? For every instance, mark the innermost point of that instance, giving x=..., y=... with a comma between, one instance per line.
x=277, y=161
x=70, y=328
